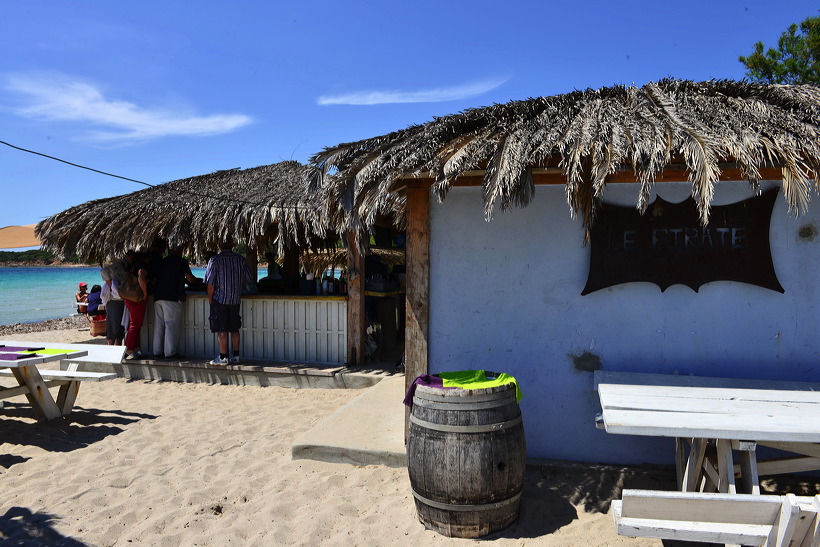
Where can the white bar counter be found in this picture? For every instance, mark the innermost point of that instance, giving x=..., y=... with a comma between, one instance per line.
x=296, y=329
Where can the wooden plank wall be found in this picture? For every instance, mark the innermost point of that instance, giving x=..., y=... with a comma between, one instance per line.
x=301, y=330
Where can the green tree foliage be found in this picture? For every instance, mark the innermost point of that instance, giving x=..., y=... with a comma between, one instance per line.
x=34, y=256
x=26, y=256
x=795, y=61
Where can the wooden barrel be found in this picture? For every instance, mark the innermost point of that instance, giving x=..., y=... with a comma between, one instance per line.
x=466, y=455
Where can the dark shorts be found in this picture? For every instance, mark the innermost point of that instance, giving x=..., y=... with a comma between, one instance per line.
x=225, y=317
x=113, y=320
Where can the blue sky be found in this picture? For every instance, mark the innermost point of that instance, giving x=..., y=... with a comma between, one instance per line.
x=162, y=90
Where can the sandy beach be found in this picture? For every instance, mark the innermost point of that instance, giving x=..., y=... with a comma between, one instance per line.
x=162, y=463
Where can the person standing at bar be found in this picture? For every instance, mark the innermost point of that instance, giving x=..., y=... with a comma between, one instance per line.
x=138, y=267
x=225, y=276
x=112, y=275
x=169, y=297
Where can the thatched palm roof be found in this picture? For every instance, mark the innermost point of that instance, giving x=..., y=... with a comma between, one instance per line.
x=590, y=135
x=252, y=205
x=321, y=260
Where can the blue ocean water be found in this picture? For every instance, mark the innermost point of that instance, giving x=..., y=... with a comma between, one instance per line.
x=28, y=295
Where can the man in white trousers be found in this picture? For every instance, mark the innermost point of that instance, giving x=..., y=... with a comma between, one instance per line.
x=169, y=297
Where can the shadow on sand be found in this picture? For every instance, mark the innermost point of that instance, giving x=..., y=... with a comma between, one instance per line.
x=83, y=427
x=19, y=526
x=551, y=493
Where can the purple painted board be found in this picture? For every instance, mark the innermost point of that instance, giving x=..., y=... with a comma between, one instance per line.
x=8, y=349
x=16, y=356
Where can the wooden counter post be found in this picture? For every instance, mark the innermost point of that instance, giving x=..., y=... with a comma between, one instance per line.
x=418, y=286
x=252, y=258
x=355, y=303
x=290, y=262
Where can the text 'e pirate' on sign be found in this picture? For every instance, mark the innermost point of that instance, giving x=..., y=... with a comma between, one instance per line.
x=668, y=245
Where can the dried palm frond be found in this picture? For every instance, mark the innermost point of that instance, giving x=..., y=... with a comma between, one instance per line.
x=259, y=206
x=592, y=134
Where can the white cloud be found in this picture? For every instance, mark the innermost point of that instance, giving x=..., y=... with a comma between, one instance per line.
x=436, y=95
x=59, y=98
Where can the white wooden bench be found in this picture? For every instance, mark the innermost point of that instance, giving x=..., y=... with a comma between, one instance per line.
x=719, y=518
x=70, y=375
x=67, y=380
x=702, y=466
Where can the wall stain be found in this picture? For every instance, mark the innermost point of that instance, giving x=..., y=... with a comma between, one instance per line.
x=807, y=232
x=586, y=362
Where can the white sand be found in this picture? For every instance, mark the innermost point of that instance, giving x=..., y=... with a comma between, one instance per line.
x=160, y=463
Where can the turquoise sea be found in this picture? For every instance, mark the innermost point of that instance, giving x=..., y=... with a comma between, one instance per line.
x=28, y=295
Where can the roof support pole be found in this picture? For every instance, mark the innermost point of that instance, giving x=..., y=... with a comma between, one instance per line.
x=252, y=258
x=355, y=302
x=418, y=285
x=290, y=262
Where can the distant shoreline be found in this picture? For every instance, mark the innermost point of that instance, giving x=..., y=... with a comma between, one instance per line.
x=42, y=265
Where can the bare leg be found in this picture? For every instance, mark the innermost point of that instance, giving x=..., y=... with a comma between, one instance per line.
x=234, y=342
x=222, y=338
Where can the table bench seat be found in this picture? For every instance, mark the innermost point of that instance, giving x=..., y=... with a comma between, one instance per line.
x=718, y=518
x=68, y=375
x=67, y=380
x=35, y=383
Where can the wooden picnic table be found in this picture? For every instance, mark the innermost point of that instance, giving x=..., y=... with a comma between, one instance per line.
x=714, y=422
x=34, y=383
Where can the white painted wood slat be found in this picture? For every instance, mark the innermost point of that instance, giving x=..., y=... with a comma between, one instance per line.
x=727, y=405
x=76, y=375
x=672, y=411
x=719, y=518
x=704, y=393
x=654, y=379
x=724, y=426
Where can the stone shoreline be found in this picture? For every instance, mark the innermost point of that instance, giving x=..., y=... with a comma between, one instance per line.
x=65, y=323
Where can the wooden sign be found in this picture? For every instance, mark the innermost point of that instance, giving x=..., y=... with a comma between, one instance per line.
x=668, y=245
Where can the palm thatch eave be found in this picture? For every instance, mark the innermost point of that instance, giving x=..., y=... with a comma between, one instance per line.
x=589, y=136
x=257, y=205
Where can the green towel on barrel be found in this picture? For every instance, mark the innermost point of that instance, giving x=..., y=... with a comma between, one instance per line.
x=477, y=379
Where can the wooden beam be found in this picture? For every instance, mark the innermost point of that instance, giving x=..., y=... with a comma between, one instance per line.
x=677, y=173
x=418, y=285
x=355, y=303
x=545, y=176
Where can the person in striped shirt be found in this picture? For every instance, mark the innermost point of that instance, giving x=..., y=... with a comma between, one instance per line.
x=225, y=276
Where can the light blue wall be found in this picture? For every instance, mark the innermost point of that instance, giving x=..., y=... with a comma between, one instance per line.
x=506, y=296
